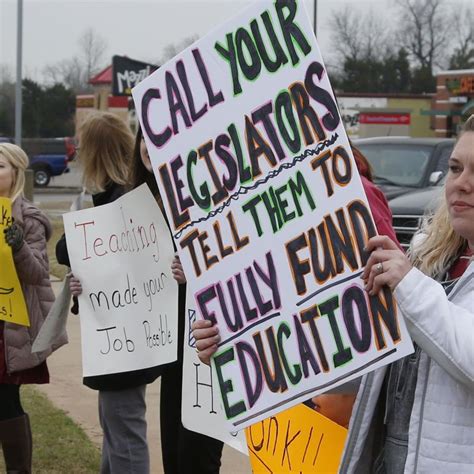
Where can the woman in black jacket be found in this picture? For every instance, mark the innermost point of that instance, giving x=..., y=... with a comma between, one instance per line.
x=183, y=451
x=106, y=151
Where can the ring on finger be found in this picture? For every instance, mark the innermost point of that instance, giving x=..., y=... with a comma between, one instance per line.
x=379, y=268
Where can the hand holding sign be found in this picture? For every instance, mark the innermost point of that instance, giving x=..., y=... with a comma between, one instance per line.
x=387, y=265
x=207, y=339
x=12, y=303
x=121, y=255
x=14, y=236
x=268, y=212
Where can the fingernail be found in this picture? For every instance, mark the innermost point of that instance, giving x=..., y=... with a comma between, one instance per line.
x=207, y=323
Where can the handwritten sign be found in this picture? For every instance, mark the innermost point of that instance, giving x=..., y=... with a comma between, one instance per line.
x=298, y=440
x=12, y=303
x=201, y=406
x=268, y=212
x=122, y=254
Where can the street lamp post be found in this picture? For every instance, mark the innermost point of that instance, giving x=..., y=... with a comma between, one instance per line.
x=18, y=92
x=315, y=18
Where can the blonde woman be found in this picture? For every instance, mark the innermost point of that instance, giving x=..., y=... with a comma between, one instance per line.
x=106, y=153
x=27, y=238
x=418, y=415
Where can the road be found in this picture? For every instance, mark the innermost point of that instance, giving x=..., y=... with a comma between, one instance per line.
x=62, y=189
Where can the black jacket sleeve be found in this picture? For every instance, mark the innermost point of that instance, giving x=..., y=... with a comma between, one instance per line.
x=62, y=255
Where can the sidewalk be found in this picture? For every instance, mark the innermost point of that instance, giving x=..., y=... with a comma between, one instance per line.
x=80, y=403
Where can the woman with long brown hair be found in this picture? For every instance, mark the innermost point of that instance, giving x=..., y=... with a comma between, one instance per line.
x=106, y=154
x=183, y=451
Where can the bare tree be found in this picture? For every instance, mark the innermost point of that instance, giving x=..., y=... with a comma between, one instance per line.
x=358, y=37
x=6, y=74
x=76, y=71
x=463, y=53
x=69, y=72
x=92, y=49
x=426, y=31
x=7, y=101
x=172, y=49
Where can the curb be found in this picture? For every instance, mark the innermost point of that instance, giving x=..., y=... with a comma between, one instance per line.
x=58, y=190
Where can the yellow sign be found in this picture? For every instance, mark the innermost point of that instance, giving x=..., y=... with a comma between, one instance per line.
x=12, y=303
x=298, y=440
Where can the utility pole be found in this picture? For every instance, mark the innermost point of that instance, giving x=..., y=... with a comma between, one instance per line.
x=18, y=91
x=315, y=18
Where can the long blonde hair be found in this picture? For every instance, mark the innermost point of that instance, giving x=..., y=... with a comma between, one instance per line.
x=106, y=150
x=18, y=159
x=440, y=244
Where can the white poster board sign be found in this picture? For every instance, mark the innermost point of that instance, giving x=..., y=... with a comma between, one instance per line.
x=201, y=405
x=122, y=252
x=268, y=212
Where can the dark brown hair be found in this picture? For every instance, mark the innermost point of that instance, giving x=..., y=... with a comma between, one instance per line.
x=363, y=165
x=139, y=174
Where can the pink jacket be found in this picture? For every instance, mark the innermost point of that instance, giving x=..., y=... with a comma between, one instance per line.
x=32, y=266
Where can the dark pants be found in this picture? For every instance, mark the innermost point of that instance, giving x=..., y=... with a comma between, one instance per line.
x=15, y=431
x=183, y=451
x=122, y=417
x=10, y=404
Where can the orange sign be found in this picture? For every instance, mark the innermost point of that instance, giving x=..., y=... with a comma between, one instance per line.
x=298, y=440
x=467, y=85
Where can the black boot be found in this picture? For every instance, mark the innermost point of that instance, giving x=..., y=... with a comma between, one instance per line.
x=17, y=444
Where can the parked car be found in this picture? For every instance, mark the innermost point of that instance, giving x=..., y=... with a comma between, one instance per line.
x=403, y=165
x=46, y=166
x=408, y=210
x=48, y=156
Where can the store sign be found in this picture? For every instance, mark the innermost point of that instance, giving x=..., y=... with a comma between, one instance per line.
x=127, y=73
x=461, y=85
x=458, y=100
x=384, y=119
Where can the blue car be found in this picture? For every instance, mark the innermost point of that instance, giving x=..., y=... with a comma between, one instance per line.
x=46, y=166
x=48, y=156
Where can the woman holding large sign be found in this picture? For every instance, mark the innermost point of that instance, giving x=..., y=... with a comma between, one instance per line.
x=106, y=153
x=417, y=414
x=427, y=424
x=183, y=451
x=26, y=231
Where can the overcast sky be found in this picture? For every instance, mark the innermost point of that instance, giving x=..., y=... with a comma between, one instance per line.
x=139, y=29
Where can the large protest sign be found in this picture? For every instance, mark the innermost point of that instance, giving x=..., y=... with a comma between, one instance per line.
x=268, y=212
x=298, y=440
x=12, y=303
x=122, y=254
x=201, y=405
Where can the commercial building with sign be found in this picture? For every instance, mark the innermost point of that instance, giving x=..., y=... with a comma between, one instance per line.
x=112, y=90
x=375, y=115
x=454, y=100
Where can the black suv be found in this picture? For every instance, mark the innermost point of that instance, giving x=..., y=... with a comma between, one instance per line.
x=402, y=165
x=408, y=210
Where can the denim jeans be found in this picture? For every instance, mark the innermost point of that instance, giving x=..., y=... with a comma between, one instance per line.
x=122, y=417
